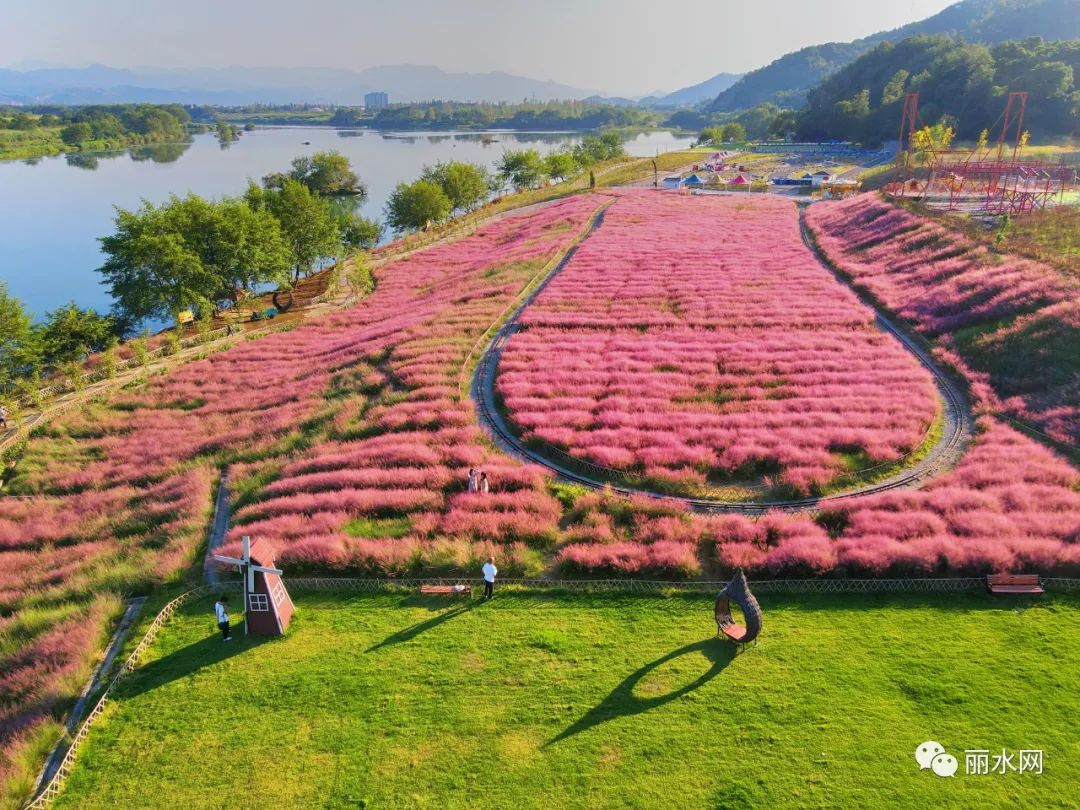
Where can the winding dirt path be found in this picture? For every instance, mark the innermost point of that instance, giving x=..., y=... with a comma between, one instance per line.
x=946, y=452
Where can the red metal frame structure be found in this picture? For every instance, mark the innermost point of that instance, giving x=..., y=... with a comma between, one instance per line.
x=978, y=180
x=904, y=156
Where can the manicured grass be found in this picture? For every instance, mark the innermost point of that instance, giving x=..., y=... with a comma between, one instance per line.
x=606, y=701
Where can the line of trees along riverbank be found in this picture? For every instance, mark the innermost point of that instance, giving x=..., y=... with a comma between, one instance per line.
x=192, y=253
x=46, y=130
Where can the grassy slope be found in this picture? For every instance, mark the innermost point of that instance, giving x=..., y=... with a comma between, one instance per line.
x=600, y=701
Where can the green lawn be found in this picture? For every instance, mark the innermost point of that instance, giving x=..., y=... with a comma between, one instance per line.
x=595, y=701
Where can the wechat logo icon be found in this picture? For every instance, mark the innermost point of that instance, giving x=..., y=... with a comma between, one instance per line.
x=932, y=755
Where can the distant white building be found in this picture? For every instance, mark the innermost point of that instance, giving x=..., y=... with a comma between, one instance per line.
x=376, y=101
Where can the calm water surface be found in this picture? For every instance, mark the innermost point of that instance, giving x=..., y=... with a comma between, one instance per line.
x=53, y=210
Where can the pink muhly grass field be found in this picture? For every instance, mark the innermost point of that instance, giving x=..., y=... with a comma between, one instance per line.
x=694, y=337
x=1018, y=320
x=124, y=489
x=348, y=449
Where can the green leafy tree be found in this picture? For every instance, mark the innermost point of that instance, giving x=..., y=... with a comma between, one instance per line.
x=324, y=173
x=561, y=165
x=226, y=133
x=70, y=333
x=358, y=232
x=895, y=88
x=594, y=149
x=140, y=349
x=110, y=362
x=712, y=136
x=465, y=184
x=23, y=121
x=416, y=205
x=72, y=373
x=19, y=354
x=151, y=269
x=77, y=133
x=521, y=168
x=190, y=253
x=782, y=125
x=244, y=247
x=308, y=225
x=733, y=132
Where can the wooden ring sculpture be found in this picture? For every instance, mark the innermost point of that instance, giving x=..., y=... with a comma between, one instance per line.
x=283, y=300
x=738, y=591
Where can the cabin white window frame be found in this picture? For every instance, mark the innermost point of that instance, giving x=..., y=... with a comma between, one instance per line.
x=259, y=602
x=278, y=593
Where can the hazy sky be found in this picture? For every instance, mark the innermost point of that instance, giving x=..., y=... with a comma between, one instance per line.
x=618, y=46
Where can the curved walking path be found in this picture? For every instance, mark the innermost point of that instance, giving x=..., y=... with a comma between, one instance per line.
x=946, y=452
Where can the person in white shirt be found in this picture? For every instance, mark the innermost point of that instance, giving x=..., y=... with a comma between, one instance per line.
x=221, y=610
x=489, y=577
x=473, y=480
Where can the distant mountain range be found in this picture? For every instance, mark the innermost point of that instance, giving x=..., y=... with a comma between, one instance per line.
x=787, y=80
x=695, y=93
x=243, y=85
x=39, y=83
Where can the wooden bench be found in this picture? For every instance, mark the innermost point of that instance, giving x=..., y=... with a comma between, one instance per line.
x=736, y=632
x=446, y=590
x=1014, y=583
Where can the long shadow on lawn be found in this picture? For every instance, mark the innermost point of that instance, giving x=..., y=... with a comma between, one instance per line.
x=410, y=633
x=622, y=702
x=187, y=660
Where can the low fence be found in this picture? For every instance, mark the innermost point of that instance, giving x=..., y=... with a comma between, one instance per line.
x=52, y=788
x=55, y=785
x=921, y=585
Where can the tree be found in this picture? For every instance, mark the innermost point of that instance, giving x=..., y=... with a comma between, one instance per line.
x=464, y=184
x=593, y=149
x=360, y=232
x=324, y=173
x=522, y=169
x=782, y=125
x=936, y=137
x=191, y=253
x=894, y=89
x=713, y=136
x=245, y=247
x=226, y=133
x=152, y=271
x=416, y=205
x=561, y=165
x=307, y=224
x=18, y=350
x=74, y=134
x=70, y=333
x=734, y=132
x=23, y=121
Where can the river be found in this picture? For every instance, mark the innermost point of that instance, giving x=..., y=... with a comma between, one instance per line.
x=52, y=210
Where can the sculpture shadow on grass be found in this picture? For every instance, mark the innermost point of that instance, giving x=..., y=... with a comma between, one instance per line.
x=622, y=702
x=412, y=632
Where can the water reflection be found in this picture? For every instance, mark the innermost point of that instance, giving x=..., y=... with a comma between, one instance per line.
x=41, y=193
x=159, y=152
x=85, y=160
